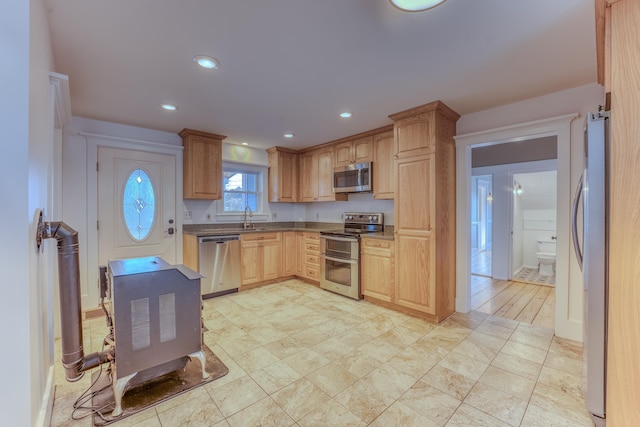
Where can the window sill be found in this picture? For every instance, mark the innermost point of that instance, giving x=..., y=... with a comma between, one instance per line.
x=239, y=217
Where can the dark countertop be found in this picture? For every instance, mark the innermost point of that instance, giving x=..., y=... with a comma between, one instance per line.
x=204, y=230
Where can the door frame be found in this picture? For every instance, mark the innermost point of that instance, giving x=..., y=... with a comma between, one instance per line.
x=568, y=324
x=94, y=141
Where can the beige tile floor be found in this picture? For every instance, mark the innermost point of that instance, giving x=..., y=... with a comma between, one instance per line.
x=301, y=356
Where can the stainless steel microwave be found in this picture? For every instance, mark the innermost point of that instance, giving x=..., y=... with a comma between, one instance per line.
x=353, y=178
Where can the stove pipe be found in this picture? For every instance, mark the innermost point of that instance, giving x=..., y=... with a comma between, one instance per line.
x=73, y=359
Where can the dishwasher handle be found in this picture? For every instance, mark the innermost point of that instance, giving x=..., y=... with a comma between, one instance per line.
x=218, y=239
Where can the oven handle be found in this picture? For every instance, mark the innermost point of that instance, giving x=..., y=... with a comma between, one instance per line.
x=346, y=261
x=340, y=239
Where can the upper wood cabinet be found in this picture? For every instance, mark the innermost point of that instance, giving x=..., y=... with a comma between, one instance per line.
x=202, y=165
x=356, y=151
x=283, y=175
x=316, y=176
x=383, y=164
x=425, y=210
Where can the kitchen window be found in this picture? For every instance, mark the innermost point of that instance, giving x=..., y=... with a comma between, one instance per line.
x=241, y=188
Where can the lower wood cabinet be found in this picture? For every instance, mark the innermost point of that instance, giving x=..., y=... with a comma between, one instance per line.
x=290, y=253
x=377, y=269
x=260, y=253
x=311, y=254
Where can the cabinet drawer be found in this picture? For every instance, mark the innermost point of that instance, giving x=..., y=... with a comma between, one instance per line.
x=312, y=246
x=312, y=237
x=312, y=259
x=312, y=273
x=261, y=236
x=377, y=243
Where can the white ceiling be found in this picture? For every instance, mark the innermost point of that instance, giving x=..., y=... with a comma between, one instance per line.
x=293, y=65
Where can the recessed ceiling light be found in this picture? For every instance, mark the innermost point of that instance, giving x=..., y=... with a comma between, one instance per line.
x=346, y=115
x=208, y=62
x=415, y=5
x=245, y=143
x=288, y=135
x=169, y=107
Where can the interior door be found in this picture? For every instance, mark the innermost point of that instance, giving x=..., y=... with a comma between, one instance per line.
x=136, y=205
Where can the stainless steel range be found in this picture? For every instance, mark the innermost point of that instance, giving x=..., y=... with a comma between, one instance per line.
x=340, y=253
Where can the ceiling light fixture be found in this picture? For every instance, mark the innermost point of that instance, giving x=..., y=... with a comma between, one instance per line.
x=169, y=107
x=288, y=135
x=415, y=5
x=346, y=115
x=207, y=62
x=245, y=143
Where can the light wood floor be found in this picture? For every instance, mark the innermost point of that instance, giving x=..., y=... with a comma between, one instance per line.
x=523, y=302
x=481, y=262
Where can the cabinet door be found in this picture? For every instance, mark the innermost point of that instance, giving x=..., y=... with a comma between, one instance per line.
x=414, y=275
x=288, y=174
x=308, y=174
x=325, y=175
x=414, y=237
x=377, y=269
x=289, y=253
x=202, y=165
x=344, y=156
x=415, y=135
x=251, y=262
x=383, y=166
x=300, y=253
x=362, y=150
x=270, y=260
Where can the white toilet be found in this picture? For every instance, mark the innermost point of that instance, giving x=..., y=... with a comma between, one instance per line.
x=546, y=257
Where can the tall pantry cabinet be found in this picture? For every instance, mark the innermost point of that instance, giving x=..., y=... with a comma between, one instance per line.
x=425, y=209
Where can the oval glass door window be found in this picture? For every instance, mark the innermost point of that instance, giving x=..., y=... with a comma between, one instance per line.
x=139, y=205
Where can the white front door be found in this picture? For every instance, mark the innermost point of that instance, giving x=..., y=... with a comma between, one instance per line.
x=136, y=205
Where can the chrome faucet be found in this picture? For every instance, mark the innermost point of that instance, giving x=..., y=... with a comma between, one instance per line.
x=244, y=220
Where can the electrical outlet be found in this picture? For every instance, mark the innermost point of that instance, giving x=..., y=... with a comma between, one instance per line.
x=187, y=214
x=274, y=215
x=317, y=215
x=208, y=216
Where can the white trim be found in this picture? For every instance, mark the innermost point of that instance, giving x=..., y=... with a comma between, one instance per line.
x=140, y=142
x=89, y=292
x=559, y=126
x=46, y=411
x=62, y=99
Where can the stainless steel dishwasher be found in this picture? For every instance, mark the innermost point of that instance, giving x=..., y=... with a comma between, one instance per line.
x=219, y=260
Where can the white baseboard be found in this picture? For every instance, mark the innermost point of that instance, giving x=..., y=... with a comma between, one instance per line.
x=46, y=407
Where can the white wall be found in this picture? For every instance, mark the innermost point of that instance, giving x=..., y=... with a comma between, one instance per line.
x=27, y=124
x=505, y=119
x=537, y=224
x=517, y=253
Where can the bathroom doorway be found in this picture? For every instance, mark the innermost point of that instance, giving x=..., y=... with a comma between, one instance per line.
x=481, y=225
x=534, y=229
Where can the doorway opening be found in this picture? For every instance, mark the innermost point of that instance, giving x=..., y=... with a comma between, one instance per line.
x=534, y=229
x=481, y=225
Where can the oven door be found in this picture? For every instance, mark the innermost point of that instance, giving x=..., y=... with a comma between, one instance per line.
x=339, y=247
x=340, y=276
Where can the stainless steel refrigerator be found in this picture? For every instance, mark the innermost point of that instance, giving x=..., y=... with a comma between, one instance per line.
x=593, y=258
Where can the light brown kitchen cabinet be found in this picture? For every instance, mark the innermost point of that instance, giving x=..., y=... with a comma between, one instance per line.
x=377, y=267
x=383, y=166
x=316, y=176
x=283, y=175
x=260, y=255
x=202, y=165
x=289, y=253
x=424, y=210
x=190, y=251
x=619, y=38
x=355, y=151
x=300, y=253
x=311, y=262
